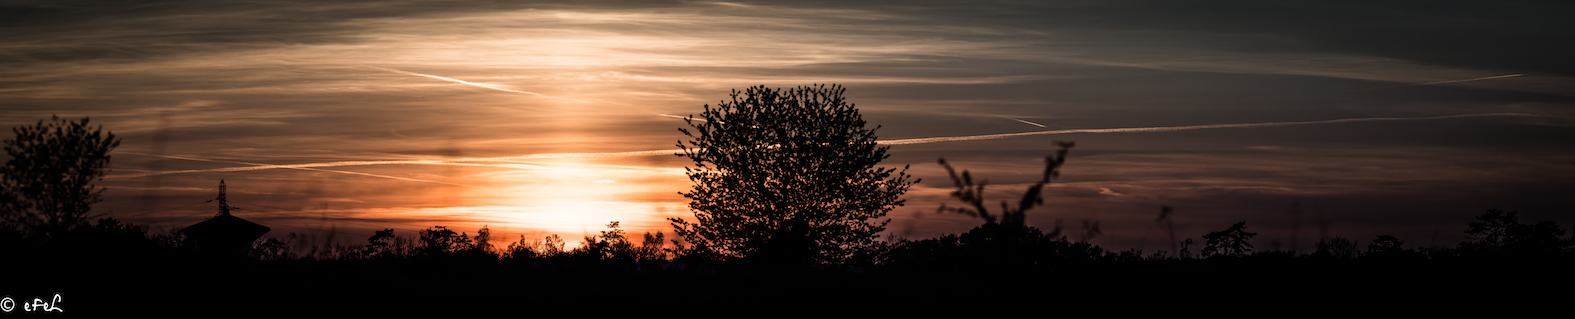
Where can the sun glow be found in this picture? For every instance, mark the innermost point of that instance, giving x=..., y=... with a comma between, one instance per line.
x=569, y=199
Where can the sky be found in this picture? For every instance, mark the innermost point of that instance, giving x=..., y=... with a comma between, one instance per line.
x=1306, y=120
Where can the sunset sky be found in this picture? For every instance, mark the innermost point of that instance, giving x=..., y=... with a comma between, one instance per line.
x=538, y=118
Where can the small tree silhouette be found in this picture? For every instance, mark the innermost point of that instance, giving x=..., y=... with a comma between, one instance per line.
x=549, y=247
x=786, y=177
x=379, y=245
x=651, y=248
x=614, y=245
x=1385, y=245
x=1336, y=247
x=271, y=249
x=1231, y=242
x=481, y=245
x=610, y=245
x=47, y=186
x=1492, y=228
x=439, y=241
x=522, y=249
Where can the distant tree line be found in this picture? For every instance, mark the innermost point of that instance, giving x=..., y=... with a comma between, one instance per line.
x=1495, y=235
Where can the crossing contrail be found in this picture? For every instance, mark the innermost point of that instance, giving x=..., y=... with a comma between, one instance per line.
x=1026, y=122
x=498, y=87
x=1016, y=119
x=483, y=161
x=1450, y=81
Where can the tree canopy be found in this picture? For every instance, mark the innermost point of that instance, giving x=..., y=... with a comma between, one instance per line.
x=786, y=176
x=48, y=184
x=1498, y=233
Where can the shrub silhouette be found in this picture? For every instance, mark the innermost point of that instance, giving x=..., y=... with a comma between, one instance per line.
x=973, y=194
x=1005, y=242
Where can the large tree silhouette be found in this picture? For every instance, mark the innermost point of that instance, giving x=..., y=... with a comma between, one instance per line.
x=786, y=176
x=47, y=186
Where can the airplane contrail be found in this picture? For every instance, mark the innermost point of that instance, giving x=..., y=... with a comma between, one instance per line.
x=680, y=117
x=481, y=160
x=260, y=166
x=498, y=87
x=317, y=166
x=576, y=155
x=1450, y=81
x=1175, y=128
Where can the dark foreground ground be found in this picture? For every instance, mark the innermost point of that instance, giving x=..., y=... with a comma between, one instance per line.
x=198, y=287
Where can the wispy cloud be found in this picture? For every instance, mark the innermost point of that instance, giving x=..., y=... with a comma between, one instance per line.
x=1450, y=81
x=1177, y=128
x=482, y=161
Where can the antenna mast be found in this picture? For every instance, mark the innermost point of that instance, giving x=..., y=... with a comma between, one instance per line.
x=224, y=204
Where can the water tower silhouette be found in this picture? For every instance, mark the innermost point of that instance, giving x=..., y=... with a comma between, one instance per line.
x=224, y=235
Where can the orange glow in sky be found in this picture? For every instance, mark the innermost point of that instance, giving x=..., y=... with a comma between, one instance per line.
x=537, y=119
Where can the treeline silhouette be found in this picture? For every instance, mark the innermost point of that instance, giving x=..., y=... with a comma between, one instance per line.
x=109, y=259
x=1496, y=236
